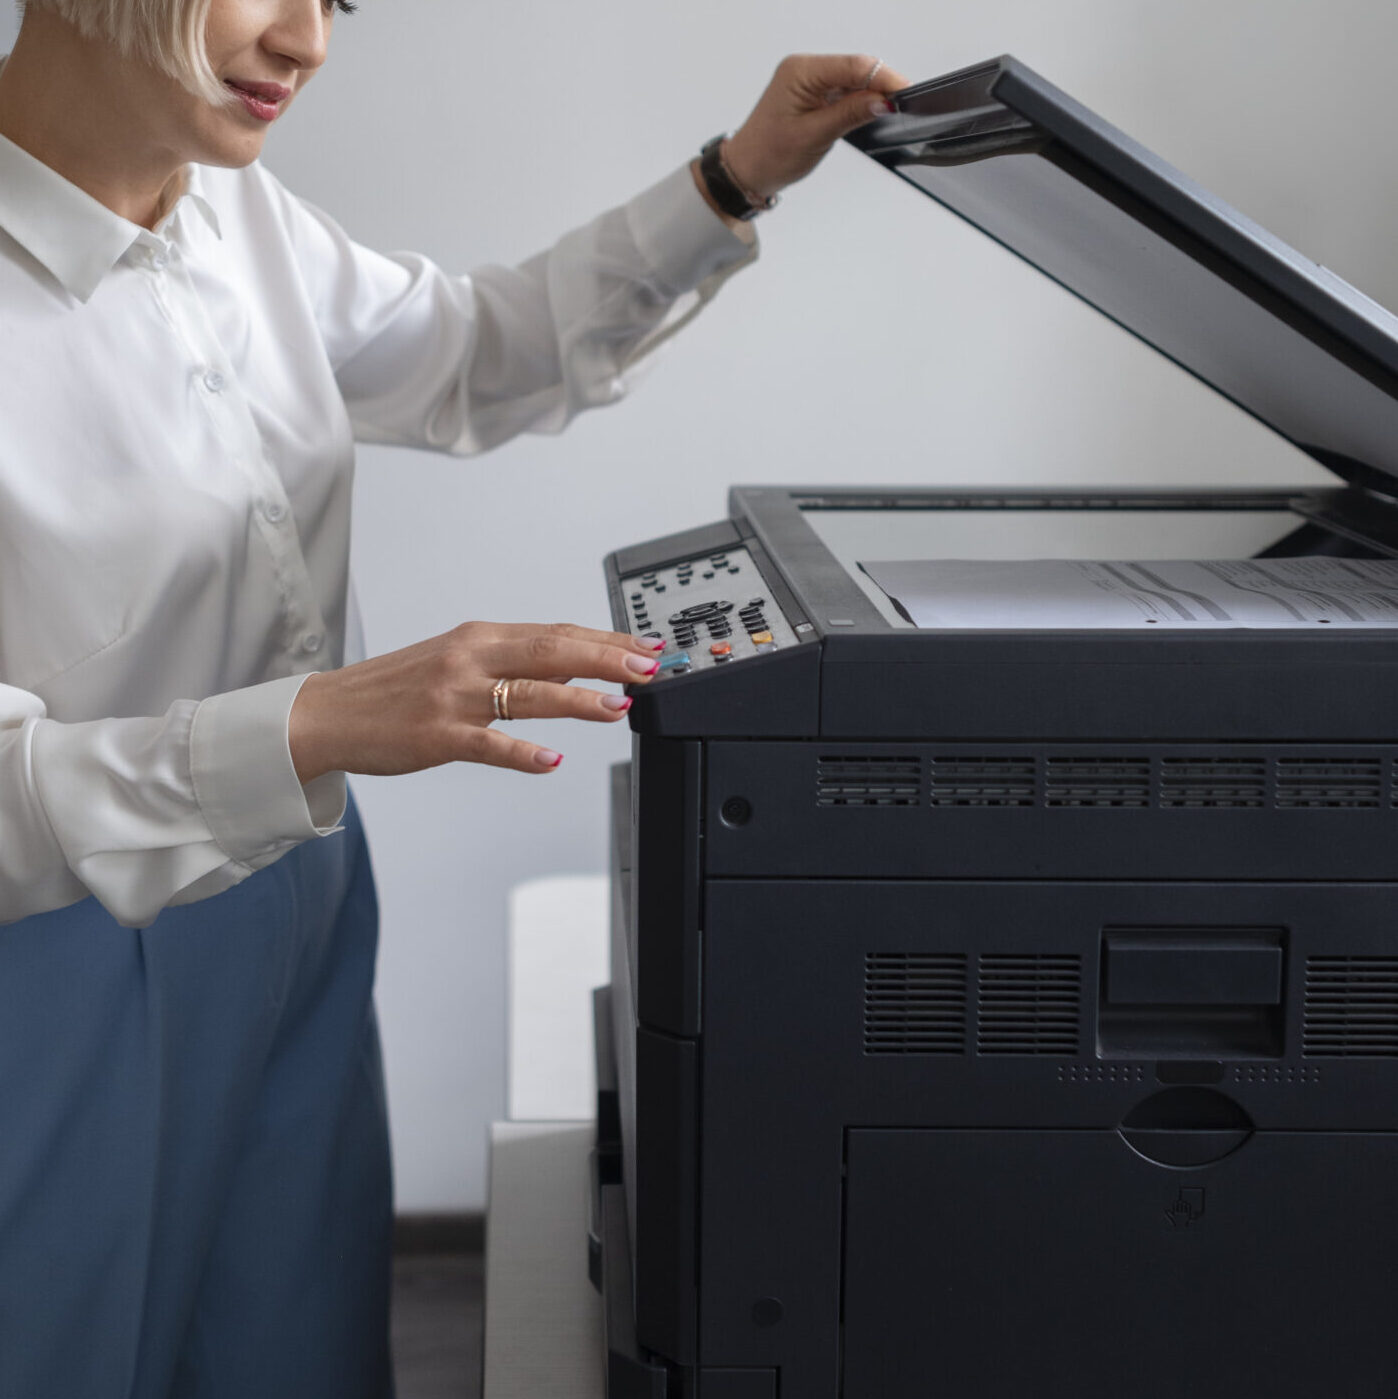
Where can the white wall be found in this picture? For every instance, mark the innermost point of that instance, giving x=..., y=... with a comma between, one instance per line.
x=877, y=340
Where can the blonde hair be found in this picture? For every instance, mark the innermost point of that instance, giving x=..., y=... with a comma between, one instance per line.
x=169, y=34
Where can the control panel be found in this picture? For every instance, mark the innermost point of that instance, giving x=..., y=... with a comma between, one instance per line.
x=709, y=611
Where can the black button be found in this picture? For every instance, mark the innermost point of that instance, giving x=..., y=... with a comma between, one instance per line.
x=660, y=587
x=732, y=570
x=757, y=602
x=684, y=582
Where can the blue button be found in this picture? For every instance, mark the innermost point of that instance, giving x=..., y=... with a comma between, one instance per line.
x=674, y=659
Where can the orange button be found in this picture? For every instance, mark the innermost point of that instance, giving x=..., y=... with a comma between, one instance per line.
x=761, y=638
x=721, y=648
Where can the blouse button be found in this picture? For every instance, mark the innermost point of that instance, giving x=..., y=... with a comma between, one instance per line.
x=274, y=511
x=311, y=642
x=213, y=381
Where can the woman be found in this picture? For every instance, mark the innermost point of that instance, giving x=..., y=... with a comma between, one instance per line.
x=194, y=1186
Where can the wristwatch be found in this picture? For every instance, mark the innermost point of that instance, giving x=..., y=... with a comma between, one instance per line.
x=727, y=193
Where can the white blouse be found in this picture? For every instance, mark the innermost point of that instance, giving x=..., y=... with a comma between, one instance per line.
x=178, y=414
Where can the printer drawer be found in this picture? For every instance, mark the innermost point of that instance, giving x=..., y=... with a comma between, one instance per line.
x=1004, y=1263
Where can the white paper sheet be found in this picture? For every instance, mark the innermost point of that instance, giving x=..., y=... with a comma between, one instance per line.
x=1076, y=594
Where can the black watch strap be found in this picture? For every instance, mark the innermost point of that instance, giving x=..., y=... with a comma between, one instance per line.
x=727, y=193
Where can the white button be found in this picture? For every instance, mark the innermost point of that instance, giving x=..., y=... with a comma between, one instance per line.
x=311, y=642
x=273, y=510
x=213, y=381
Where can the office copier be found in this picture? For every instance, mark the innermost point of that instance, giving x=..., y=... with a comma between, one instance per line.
x=1004, y=992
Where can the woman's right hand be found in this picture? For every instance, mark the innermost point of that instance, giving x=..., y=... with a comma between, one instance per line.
x=432, y=703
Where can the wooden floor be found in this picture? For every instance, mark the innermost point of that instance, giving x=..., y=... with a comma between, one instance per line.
x=437, y=1325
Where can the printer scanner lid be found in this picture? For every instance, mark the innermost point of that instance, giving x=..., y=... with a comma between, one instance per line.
x=1282, y=337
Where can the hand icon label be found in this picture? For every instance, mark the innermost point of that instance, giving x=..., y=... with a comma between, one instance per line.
x=1187, y=1208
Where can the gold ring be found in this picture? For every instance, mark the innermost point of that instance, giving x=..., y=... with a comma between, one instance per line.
x=500, y=699
x=873, y=73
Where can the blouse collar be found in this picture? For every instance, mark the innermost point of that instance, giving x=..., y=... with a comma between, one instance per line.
x=78, y=239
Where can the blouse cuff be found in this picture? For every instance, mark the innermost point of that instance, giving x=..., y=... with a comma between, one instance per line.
x=244, y=779
x=681, y=238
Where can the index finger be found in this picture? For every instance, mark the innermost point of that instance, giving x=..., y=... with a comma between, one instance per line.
x=854, y=72
x=538, y=653
x=646, y=646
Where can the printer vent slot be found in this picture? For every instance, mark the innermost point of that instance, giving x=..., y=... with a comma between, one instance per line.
x=1028, y=1003
x=974, y=781
x=868, y=781
x=1213, y=783
x=915, y=1003
x=1098, y=782
x=1351, y=1008
x=1329, y=782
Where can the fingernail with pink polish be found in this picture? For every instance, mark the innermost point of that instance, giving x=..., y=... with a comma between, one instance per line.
x=641, y=665
x=620, y=703
x=547, y=758
x=881, y=108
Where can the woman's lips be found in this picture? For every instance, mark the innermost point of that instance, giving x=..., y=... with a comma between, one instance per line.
x=262, y=100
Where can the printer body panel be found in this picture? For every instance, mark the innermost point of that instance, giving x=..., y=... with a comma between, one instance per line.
x=847, y=1011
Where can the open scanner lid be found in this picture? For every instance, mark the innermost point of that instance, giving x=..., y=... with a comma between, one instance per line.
x=1282, y=337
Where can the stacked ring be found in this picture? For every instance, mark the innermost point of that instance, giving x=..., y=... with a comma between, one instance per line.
x=500, y=699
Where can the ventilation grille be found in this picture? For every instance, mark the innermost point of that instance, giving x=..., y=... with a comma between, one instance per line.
x=1326, y=782
x=1351, y=1008
x=1098, y=782
x=1213, y=783
x=868, y=781
x=1028, y=1004
x=915, y=1003
x=1203, y=782
x=983, y=781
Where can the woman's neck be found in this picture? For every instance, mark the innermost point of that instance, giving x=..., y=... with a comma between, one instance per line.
x=74, y=104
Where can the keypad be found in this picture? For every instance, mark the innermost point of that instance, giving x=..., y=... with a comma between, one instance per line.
x=709, y=611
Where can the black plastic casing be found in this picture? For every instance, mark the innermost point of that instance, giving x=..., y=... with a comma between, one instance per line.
x=785, y=952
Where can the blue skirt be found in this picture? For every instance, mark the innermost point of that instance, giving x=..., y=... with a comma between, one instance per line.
x=195, y=1197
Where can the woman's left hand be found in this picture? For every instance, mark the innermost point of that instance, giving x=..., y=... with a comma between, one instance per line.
x=812, y=101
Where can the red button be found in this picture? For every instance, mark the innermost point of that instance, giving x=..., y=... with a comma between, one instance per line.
x=721, y=648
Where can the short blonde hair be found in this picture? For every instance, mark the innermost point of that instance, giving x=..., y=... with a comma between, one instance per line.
x=169, y=34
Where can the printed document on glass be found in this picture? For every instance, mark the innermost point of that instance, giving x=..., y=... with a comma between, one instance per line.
x=1075, y=594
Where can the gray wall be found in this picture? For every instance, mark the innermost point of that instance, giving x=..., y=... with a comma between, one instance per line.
x=876, y=340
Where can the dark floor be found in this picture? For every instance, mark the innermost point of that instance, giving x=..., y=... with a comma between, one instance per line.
x=437, y=1324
